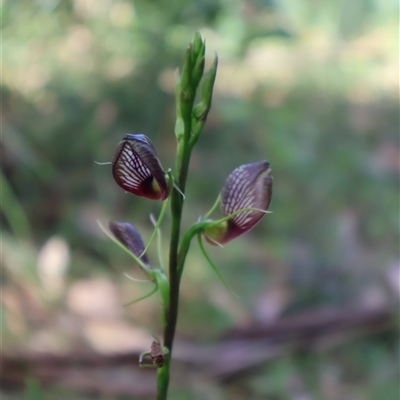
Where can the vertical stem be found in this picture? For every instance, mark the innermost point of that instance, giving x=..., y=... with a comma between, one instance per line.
x=176, y=208
x=174, y=276
x=186, y=86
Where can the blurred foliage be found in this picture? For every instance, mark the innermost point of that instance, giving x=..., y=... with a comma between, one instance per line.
x=311, y=86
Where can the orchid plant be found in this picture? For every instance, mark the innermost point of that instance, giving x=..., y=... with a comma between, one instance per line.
x=136, y=168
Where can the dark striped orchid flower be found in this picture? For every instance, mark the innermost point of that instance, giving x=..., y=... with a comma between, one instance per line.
x=127, y=237
x=247, y=188
x=137, y=169
x=127, y=234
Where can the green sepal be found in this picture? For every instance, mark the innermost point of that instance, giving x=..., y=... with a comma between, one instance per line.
x=213, y=266
x=229, y=216
x=198, y=71
x=199, y=47
x=186, y=75
x=216, y=231
x=142, y=297
x=159, y=245
x=179, y=124
x=157, y=225
x=179, y=128
x=200, y=111
x=199, y=50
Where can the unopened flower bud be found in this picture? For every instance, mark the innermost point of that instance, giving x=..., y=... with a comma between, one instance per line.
x=129, y=237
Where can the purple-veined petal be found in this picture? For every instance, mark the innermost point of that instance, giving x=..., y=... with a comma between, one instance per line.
x=137, y=170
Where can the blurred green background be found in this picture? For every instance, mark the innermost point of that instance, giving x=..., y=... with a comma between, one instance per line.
x=312, y=86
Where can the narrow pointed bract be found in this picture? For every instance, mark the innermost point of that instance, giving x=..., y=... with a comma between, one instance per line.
x=129, y=237
x=137, y=170
x=247, y=187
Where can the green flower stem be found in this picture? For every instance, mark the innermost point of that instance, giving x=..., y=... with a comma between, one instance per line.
x=186, y=85
x=174, y=275
x=213, y=208
x=185, y=244
x=176, y=263
x=197, y=228
x=185, y=100
x=163, y=378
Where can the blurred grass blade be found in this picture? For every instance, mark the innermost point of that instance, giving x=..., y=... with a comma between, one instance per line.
x=159, y=243
x=13, y=210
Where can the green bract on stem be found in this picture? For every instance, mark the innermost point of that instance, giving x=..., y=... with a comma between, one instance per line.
x=156, y=226
x=159, y=246
x=213, y=266
x=200, y=111
x=154, y=290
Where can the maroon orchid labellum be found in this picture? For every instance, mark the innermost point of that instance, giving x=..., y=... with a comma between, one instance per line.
x=137, y=169
x=248, y=188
